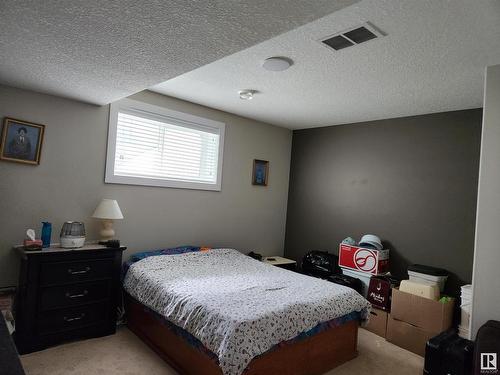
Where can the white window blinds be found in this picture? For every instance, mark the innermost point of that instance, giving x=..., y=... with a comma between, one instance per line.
x=164, y=150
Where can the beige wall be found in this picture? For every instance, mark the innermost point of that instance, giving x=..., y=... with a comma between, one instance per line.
x=486, y=277
x=69, y=183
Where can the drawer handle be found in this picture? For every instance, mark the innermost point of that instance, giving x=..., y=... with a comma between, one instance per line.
x=79, y=317
x=83, y=294
x=85, y=270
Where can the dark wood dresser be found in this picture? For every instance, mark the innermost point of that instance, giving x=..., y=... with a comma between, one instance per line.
x=66, y=294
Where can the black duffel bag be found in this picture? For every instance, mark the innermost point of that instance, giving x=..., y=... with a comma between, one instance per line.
x=320, y=264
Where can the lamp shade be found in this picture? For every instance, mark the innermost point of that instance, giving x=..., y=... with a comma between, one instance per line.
x=108, y=209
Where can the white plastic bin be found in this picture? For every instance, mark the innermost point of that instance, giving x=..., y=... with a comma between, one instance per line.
x=463, y=332
x=423, y=278
x=465, y=316
x=363, y=276
x=466, y=295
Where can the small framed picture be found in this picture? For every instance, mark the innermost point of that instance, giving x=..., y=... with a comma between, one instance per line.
x=260, y=172
x=21, y=141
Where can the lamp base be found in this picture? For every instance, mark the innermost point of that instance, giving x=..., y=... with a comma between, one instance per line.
x=107, y=232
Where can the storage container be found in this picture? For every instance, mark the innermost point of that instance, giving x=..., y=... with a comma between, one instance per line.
x=466, y=295
x=428, y=275
x=430, y=291
x=465, y=315
x=463, y=332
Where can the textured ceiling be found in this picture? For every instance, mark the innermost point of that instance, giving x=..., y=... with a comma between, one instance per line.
x=432, y=60
x=100, y=51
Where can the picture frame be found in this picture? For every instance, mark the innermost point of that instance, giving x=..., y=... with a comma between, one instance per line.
x=260, y=174
x=21, y=141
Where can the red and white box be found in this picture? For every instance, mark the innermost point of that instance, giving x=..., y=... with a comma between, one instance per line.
x=357, y=258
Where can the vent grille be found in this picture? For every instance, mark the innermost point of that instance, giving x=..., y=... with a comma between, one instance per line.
x=338, y=42
x=352, y=37
x=360, y=35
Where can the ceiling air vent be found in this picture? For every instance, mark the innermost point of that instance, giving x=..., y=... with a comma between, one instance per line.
x=338, y=42
x=352, y=37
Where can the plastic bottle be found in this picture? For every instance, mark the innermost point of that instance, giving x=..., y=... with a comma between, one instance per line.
x=46, y=233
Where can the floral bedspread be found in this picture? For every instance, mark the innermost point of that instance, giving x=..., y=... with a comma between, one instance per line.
x=236, y=306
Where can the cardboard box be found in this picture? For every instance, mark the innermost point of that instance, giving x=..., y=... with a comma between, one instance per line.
x=424, y=313
x=365, y=260
x=407, y=336
x=378, y=322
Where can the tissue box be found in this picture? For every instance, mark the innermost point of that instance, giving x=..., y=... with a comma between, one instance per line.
x=33, y=245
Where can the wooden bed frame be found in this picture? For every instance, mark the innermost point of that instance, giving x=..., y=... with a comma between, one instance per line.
x=314, y=355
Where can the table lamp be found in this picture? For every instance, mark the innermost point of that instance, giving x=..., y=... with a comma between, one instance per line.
x=108, y=210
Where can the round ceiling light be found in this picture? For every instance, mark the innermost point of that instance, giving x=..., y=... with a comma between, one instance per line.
x=247, y=94
x=277, y=64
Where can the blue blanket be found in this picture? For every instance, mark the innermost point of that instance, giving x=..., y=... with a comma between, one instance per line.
x=150, y=253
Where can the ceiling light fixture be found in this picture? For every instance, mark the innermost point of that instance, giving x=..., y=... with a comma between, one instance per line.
x=277, y=63
x=247, y=94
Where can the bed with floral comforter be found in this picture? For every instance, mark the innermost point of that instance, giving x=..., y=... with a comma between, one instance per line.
x=237, y=307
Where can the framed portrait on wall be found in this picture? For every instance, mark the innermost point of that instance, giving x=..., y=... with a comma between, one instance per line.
x=21, y=141
x=260, y=173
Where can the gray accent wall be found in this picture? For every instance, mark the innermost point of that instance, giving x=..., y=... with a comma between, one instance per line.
x=69, y=183
x=412, y=181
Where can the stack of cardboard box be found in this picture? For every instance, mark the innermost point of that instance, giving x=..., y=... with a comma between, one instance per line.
x=405, y=319
x=366, y=264
x=414, y=320
x=380, y=296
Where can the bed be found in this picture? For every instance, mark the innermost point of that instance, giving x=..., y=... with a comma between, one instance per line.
x=220, y=312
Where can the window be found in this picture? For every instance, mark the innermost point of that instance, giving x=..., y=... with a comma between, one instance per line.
x=154, y=146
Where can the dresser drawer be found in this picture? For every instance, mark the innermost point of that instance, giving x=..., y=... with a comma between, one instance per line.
x=67, y=272
x=73, y=294
x=71, y=318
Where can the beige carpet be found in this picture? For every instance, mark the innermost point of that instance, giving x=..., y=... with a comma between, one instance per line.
x=124, y=354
